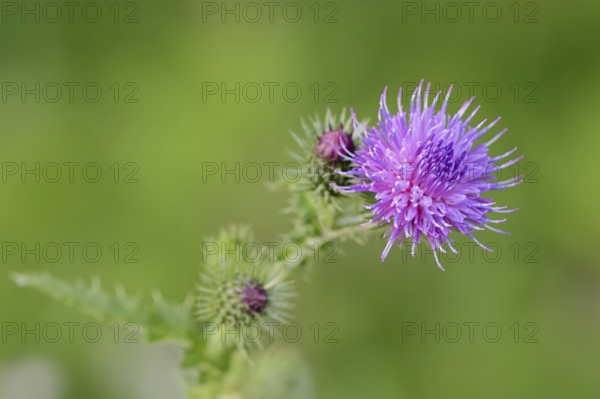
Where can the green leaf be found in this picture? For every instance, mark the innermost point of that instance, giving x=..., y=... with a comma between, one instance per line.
x=156, y=319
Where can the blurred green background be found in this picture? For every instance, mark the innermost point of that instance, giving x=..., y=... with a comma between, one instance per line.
x=547, y=71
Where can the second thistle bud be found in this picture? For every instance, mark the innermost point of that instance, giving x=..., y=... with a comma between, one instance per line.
x=238, y=295
x=334, y=145
x=239, y=300
x=255, y=297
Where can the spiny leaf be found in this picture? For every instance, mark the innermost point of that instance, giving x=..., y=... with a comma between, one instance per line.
x=156, y=320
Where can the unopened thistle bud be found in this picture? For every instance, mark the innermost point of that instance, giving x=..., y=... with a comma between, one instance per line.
x=324, y=150
x=238, y=300
x=334, y=146
x=241, y=294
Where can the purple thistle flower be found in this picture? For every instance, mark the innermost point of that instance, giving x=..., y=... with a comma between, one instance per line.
x=427, y=175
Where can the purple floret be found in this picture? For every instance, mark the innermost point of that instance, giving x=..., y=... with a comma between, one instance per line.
x=255, y=297
x=334, y=146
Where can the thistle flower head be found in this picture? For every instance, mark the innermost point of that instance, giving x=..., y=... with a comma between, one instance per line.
x=426, y=173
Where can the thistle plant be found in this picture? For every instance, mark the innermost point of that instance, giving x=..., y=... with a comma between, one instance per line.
x=406, y=177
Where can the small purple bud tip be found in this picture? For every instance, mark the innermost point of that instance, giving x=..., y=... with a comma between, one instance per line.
x=255, y=296
x=333, y=145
